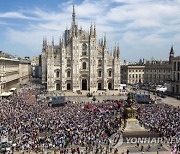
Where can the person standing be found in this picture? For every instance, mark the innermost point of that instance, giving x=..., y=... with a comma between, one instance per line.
x=127, y=151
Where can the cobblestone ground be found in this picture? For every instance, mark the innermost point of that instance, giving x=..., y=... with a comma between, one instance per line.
x=167, y=100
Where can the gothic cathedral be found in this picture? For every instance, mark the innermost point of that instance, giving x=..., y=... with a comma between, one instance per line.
x=80, y=62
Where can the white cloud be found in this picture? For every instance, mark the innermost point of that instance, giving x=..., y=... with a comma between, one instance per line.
x=15, y=15
x=142, y=23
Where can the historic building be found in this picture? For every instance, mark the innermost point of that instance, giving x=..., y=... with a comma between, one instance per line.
x=36, y=67
x=153, y=71
x=80, y=62
x=175, y=83
x=132, y=73
x=13, y=72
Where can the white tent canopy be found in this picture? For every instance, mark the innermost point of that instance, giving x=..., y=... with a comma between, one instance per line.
x=12, y=89
x=5, y=94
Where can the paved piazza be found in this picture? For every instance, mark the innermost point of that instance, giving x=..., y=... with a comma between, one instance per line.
x=73, y=97
x=131, y=126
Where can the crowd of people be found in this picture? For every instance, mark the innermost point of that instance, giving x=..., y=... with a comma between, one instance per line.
x=30, y=125
x=161, y=118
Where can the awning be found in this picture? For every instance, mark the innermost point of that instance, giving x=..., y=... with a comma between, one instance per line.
x=5, y=94
x=12, y=89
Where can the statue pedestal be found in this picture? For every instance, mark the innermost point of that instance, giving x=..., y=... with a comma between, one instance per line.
x=133, y=129
x=132, y=125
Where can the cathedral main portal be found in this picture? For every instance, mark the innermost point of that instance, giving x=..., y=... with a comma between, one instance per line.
x=84, y=84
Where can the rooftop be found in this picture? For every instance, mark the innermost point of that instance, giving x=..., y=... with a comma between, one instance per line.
x=176, y=58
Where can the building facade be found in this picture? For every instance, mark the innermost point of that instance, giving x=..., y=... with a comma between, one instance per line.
x=80, y=62
x=13, y=72
x=175, y=83
x=153, y=71
x=159, y=73
x=36, y=67
x=132, y=74
x=24, y=71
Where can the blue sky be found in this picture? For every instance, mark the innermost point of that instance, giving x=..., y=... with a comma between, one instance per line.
x=143, y=28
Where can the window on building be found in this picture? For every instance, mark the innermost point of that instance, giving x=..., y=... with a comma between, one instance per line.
x=68, y=74
x=110, y=73
x=99, y=62
x=99, y=74
x=178, y=77
x=140, y=75
x=84, y=65
x=136, y=75
x=68, y=86
x=84, y=49
x=133, y=76
x=177, y=89
x=174, y=66
x=57, y=74
x=58, y=86
x=68, y=63
x=129, y=75
x=174, y=76
x=178, y=68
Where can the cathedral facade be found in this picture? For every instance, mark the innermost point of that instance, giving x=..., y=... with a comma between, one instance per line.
x=80, y=62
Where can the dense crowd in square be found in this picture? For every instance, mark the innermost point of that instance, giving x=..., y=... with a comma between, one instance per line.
x=161, y=118
x=31, y=125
